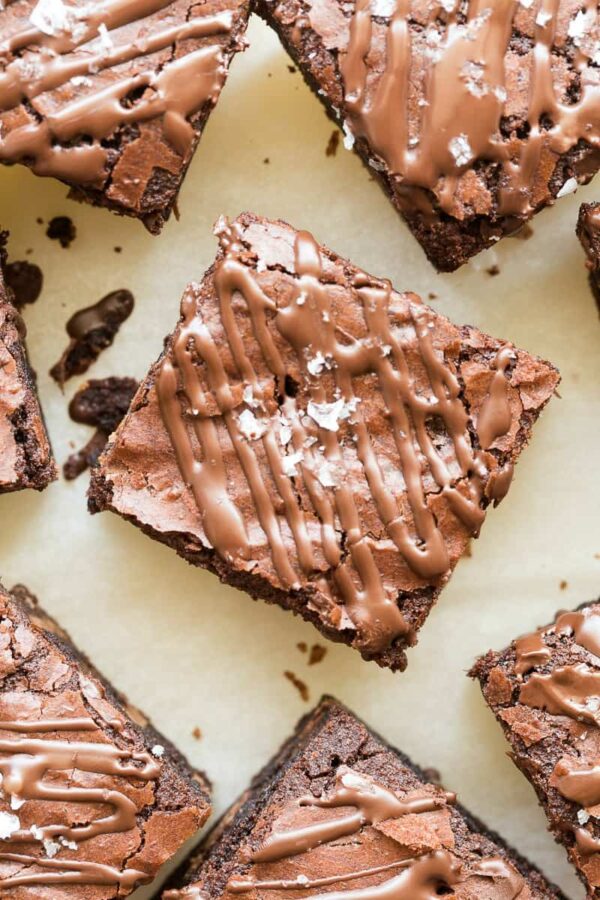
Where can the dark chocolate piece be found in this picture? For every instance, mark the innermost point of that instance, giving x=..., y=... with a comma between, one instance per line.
x=92, y=330
x=338, y=810
x=112, y=97
x=25, y=280
x=25, y=454
x=101, y=403
x=94, y=800
x=61, y=229
x=545, y=692
x=473, y=114
x=319, y=439
x=588, y=232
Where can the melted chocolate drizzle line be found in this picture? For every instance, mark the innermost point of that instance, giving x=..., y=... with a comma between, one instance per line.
x=584, y=625
x=181, y=88
x=455, y=115
x=566, y=691
x=422, y=877
x=307, y=324
x=66, y=871
x=24, y=764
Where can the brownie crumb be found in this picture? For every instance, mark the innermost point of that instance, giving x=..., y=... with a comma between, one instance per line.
x=432, y=295
x=266, y=161
x=302, y=647
x=39, y=220
x=118, y=249
x=493, y=270
x=292, y=70
x=61, y=229
x=92, y=330
x=197, y=733
x=564, y=585
x=101, y=403
x=298, y=684
x=25, y=280
x=317, y=654
x=333, y=143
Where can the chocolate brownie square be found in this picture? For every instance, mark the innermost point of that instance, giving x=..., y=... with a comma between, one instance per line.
x=588, y=232
x=473, y=115
x=112, y=98
x=25, y=455
x=339, y=813
x=319, y=439
x=94, y=800
x=545, y=692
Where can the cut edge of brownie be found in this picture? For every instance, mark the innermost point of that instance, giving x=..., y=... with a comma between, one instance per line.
x=239, y=820
x=447, y=243
x=28, y=603
x=416, y=605
x=36, y=463
x=589, y=237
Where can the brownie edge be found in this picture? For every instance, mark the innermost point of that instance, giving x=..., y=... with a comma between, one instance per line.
x=401, y=832
x=544, y=690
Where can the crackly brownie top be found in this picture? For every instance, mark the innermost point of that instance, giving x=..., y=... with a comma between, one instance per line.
x=545, y=689
x=101, y=93
x=471, y=100
x=322, y=431
x=91, y=803
x=351, y=817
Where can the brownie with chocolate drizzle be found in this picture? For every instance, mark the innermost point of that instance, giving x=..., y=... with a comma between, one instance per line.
x=588, y=232
x=25, y=455
x=339, y=813
x=544, y=689
x=319, y=439
x=112, y=96
x=472, y=114
x=94, y=800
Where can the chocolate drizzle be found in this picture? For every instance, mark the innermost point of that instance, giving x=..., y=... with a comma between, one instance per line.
x=199, y=404
x=421, y=877
x=464, y=100
x=27, y=765
x=78, y=47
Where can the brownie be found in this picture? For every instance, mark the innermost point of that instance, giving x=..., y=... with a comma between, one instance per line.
x=112, y=98
x=545, y=692
x=339, y=809
x=473, y=116
x=25, y=455
x=588, y=232
x=94, y=800
x=319, y=439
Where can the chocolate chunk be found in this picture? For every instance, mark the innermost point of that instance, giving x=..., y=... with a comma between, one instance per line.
x=94, y=799
x=337, y=809
x=101, y=403
x=25, y=280
x=61, y=229
x=332, y=144
x=92, y=330
x=300, y=685
x=355, y=436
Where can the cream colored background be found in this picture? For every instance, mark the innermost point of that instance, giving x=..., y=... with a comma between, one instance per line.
x=191, y=652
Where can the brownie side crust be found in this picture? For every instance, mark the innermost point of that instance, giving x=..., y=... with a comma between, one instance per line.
x=122, y=799
x=331, y=763
x=117, y=110
x=25, y=454
x=543, y=690
x=588, y=232
x=474, y=165
x=297, y=427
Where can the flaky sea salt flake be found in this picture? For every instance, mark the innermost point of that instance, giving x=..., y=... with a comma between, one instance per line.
x=9, y=824
x=460, y=149
x=50, y=17
x=569, y=187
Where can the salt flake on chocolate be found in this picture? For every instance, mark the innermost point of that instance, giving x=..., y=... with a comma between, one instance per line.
x=9, y=824
x=460, y=149
x=50, y=17
x=250, y=427
x=327, y=415
x=289, y=463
